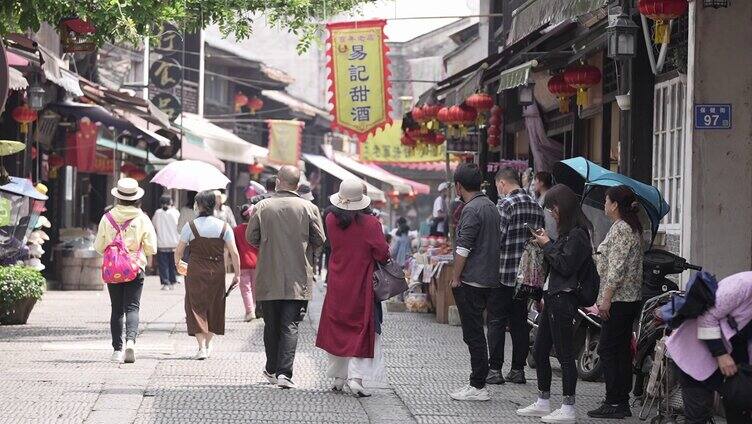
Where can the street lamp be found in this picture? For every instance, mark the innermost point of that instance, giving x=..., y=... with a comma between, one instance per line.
x=526, y=95
x=621, y=34
x=35, y=95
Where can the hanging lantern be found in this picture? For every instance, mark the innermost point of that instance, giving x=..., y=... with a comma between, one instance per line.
x=494, y=120
x=582, y=77
x=563, y=91
x=138, y=174
x=466, y=116
x=493, y=140
x=482, y=103
x=128, y=167
x=493, y=131
x=414, y=134
x=240, y=101
x=394, y=198
x=497, y=110
x=255, y=104
x=439, y=139
x=24, y=115
x=255, y=169
x=662, y=12
x=430, y=114
x=55, y=161
x=443, y=115
x=407, y=141
x=417, y=114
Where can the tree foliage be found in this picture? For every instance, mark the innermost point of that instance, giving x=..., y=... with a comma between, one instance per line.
x=128, y=20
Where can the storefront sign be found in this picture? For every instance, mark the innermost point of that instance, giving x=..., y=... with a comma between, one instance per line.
x=285, y=139
x=165, y=73
x=170, y=40
x=385, y=147
x=168, y=104
x=359, y=70
x=713, y=116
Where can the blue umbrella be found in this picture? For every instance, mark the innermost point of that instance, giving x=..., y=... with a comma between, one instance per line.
x=22, y=187
x=576, y=172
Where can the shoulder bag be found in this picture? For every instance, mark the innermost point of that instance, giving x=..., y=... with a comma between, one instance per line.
x=388, y=280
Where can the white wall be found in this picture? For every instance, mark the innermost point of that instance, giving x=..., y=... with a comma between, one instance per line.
x=720, y=218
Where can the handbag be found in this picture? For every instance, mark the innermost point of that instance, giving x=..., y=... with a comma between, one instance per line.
x=737, y=389
x=531, y=273
x=388, y=280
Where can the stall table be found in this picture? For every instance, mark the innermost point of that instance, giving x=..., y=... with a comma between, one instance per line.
x=440, y=290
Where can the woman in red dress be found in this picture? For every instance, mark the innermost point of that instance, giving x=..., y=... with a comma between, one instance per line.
x=350, y=325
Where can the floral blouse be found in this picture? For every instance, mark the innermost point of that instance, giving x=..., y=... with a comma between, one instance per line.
x=619, y=261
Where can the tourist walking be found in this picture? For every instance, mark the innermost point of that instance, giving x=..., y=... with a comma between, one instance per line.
x=439, y=214
x=165, y=221
x=223, y=211
x=248, y=256
x=518, y=212
x=133, y=226
x=289, y=233
x=207, y=238
x=401, y=245
x=350, y=326
x=475, y=282
x=619, y=260
x=565, y=257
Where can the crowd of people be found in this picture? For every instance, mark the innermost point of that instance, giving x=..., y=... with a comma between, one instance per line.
x=274, y=254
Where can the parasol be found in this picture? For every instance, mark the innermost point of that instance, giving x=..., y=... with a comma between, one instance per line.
x=191, y=175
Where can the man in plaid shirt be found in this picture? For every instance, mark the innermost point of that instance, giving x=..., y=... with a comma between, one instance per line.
x=516, y=208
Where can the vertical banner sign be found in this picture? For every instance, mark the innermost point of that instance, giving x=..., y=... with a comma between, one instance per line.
x=359, y=71
x=285, y=139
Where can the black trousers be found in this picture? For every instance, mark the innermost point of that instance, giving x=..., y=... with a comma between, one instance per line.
x=556, y=329
x=698, y=396
x=281, y=321
x=513, y=312
x=615, y=351
x=471, y=302
x=125, y=299
x=166, y=266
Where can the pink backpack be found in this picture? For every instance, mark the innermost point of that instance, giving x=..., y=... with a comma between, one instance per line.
x=119, y=265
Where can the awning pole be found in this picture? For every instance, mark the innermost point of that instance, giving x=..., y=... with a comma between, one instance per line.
x=448, y=201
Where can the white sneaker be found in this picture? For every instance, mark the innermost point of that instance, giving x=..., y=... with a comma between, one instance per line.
x=201, y=354
x=165, y=287
x=117, y=356
x=284, y=382
x=270, y=377
x=535, y=410
x=250, y=316
x=209, y=349
x=130, y=352
x=172, y=286
x=470, y=393
x=561, y=416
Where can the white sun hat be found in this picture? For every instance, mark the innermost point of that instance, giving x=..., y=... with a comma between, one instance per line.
x=350, y=196
x=127, y=189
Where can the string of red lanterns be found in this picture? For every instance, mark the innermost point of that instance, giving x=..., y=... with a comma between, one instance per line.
x=662, y=12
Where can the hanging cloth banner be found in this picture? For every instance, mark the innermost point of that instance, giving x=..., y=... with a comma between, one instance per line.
x=285, y=139
x=385, y=147
x=358, y=68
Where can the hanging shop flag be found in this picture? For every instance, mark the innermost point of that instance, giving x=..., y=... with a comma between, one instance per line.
x=359, y=71
x=285, y=139
x=385, y=147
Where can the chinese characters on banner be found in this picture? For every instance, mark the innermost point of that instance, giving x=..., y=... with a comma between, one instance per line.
x=385, y=147
x=285, y=139
x=359, y=70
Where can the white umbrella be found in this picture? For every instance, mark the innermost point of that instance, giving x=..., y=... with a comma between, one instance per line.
x=191, y=175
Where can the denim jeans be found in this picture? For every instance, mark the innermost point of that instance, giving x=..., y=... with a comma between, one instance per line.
x=281, y=321
x=166, y=265
x=507, y=310
x=556, y=329
x=126, y=301
x=615, y=351
x=471, y=302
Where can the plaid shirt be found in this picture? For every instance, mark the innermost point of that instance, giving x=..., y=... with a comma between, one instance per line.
x=516, y=209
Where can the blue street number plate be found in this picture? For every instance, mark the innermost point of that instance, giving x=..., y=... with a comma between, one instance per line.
x=713, y=116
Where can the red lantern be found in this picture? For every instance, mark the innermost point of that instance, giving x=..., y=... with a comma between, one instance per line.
x=662, y=12
x=24, y=115
x=128, y=168
x=582, y=77
x=494, y=140
x=255, y=104
x=443, y=115
x=497, y=110
x=563, y=91
x=55, y=161
x=414, y=133
x=494, y=120
x=481, y=102
x=430, y=111
x=455, y=115
x=417, y=114
x=138, y=174
x=240, y=101
x=468, y=115
x=493, y=131
x=439, y=139
x=255, y=169
x=408, y=141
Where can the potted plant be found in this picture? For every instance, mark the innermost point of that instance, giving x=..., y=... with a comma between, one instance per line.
x=20, y=288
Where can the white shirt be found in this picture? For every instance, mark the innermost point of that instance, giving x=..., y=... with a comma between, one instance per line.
x=166, y=224
x=438, y=207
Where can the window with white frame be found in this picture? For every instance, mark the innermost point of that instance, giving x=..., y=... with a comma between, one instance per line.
x=216, y=89
x=668, y=146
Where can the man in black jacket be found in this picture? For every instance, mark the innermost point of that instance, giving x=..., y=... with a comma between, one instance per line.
x=475, y=283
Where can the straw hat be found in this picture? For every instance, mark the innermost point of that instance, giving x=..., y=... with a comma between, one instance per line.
x=350, y=196
x=127, y=189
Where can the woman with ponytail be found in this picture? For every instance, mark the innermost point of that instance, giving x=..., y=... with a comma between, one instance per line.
x=619, y=260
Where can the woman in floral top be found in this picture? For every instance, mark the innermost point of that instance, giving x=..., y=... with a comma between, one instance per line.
x=619, y=260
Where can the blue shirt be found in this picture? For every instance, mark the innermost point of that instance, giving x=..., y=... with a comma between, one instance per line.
x=209, y=227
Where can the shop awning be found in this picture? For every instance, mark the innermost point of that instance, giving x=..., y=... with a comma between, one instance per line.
x=296, y=105
x=534, y=14
x=16, y=80
x=54, y=70
x=143, y=126
x=517, y=76
x=365, y=170
x=224, y=144
x=122, y=147
x=330, y=167
x=418, y=188
x=195, y=152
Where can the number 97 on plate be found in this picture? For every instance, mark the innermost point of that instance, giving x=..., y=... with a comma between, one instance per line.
x=713, y=116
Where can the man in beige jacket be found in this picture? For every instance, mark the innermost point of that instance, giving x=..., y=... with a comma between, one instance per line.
x=288, y=232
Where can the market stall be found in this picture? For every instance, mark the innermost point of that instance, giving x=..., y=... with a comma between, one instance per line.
x=430, y=273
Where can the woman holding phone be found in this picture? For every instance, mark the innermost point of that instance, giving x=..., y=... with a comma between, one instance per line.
x=565, y=257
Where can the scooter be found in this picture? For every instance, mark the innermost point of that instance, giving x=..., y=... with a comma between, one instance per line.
x=587, y=330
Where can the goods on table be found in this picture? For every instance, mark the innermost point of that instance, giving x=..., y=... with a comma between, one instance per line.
x=417, y=302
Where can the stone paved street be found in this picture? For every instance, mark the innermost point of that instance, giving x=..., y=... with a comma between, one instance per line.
x=57, y=369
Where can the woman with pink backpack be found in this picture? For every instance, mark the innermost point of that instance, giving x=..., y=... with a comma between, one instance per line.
x=125, y=238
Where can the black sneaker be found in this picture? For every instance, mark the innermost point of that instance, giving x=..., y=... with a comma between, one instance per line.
x=608, y=411
x=494, y=377
x=516, y=377
x=626, y=409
